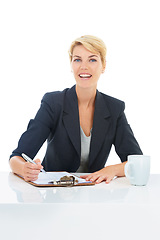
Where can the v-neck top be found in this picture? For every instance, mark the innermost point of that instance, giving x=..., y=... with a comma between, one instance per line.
x=85, y=148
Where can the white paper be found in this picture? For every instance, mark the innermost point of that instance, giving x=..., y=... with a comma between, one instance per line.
x=45, y=178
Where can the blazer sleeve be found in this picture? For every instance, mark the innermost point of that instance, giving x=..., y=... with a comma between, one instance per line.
x=38, y=129
x=125, y=143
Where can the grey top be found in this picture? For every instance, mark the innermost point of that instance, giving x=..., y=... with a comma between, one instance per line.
x=85, y=147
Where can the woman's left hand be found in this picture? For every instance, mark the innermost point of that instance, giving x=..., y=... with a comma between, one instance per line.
x=105, y=174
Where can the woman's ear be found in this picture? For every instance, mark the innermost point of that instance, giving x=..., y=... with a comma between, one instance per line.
x=104, y=67
x=71, y=68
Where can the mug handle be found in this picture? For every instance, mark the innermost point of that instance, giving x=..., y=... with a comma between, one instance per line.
x=126, y=170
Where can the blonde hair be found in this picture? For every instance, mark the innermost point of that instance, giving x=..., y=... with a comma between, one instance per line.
x=91, y=43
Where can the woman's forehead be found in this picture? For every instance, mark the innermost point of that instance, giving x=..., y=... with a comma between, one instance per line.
x=80, y=51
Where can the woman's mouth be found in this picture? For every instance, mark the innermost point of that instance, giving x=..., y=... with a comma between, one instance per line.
x=85, y=75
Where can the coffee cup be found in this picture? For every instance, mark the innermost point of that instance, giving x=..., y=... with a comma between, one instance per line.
x=137, y=169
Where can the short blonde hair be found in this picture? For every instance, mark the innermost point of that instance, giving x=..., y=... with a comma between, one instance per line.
x=91, y=43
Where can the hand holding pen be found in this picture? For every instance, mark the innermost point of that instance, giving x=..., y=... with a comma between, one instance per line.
x=31, y=168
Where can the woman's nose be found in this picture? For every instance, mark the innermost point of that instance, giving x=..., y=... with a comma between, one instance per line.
x=84, y=66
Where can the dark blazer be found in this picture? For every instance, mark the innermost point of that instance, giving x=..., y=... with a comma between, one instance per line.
x=58, y=121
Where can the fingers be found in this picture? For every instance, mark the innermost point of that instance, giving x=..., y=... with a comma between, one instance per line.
x=100, y=179
x=31, y=171
x=38, y=162
x=104, y=174
x=30, y=177
x=96, y=177
x=109, y=179
x=84, y=176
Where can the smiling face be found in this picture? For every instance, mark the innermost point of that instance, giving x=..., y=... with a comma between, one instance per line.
x=87, y=67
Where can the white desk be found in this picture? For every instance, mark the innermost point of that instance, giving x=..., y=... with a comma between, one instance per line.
x=104, y=211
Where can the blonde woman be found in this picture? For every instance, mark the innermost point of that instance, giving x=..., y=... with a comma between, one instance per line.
x=80, y=124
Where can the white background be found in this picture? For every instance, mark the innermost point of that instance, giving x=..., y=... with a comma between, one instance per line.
x=34, y=39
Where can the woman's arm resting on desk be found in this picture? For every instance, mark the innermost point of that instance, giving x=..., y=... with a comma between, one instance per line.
x=107, y=173
x=27, y=170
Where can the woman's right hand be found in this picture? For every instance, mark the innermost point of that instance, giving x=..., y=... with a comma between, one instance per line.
x=31, y=171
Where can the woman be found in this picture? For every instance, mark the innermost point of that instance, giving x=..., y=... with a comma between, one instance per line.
x=80, y=124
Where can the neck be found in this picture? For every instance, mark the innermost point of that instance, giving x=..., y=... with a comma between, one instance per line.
x=86, y=96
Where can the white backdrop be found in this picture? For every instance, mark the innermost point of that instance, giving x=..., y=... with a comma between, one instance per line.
x=34, y=39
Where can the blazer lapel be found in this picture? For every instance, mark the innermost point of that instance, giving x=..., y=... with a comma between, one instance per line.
x=71, y=118
x=101, y=123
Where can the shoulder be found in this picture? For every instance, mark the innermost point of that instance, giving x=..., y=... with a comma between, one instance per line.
x=57, y=96
x=112, y=100
x=57, y=101
x=113, y=104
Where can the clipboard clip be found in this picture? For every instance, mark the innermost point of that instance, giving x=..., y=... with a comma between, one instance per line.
x=66, y=181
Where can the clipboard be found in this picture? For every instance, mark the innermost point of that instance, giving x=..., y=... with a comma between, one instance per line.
x=58, y=179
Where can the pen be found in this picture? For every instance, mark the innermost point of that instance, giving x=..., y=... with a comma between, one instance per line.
x=28, y=159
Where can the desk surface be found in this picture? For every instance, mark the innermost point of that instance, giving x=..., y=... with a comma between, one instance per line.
x=14, y=190
x=104, y=211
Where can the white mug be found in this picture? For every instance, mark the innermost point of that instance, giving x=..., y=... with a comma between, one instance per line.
x=137, y=169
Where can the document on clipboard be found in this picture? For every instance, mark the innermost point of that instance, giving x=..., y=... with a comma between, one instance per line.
x=59, y=179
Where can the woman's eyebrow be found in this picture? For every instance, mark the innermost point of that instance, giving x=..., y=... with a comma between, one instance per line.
x=76, y=56
x=92, y=56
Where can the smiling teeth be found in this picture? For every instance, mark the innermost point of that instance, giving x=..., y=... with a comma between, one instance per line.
x=85, y=75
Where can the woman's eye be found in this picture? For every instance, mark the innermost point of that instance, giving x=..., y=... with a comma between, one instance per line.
x=77, y=60
x=93, y=60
